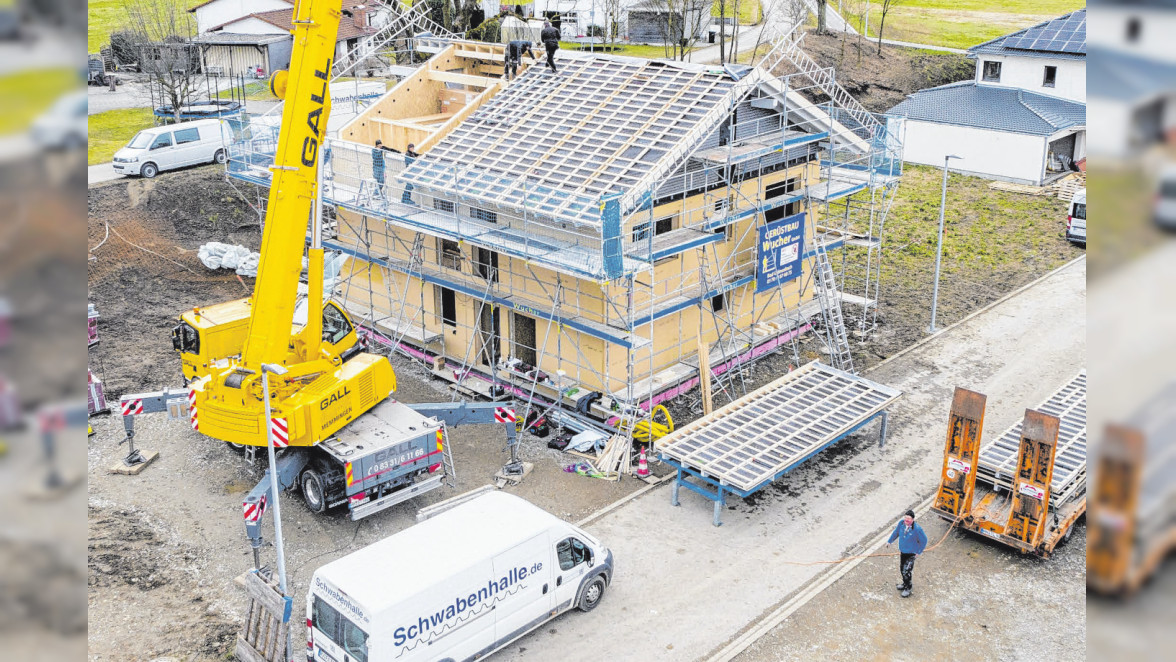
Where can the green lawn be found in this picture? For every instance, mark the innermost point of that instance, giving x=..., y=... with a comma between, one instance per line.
x=26, y=95
x=964, y=23
x=106, y=16
x=750, y=11
x=112, y=130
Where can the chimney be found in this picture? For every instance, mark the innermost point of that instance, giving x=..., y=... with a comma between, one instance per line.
x=359, y=15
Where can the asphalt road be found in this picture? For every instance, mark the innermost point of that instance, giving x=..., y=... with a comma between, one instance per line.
x=684, y=588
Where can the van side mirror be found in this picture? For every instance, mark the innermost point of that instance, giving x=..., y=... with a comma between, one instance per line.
x=590, y=558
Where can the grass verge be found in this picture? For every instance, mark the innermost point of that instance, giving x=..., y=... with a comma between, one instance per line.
x=967, y=23
x=27, y=94
x=112, y=130
x=993, y=242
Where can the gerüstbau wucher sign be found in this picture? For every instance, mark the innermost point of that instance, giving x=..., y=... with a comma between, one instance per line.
x=781, y=245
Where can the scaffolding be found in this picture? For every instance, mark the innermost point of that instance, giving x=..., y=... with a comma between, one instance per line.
x=565, y=240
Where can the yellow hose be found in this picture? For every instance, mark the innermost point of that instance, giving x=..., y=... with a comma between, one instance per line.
x=652, y=430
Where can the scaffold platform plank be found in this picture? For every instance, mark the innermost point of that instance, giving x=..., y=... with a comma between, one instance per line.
x=755, y=440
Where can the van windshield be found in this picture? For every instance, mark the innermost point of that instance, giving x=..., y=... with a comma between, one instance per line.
x=342, y=632
x=141, y=140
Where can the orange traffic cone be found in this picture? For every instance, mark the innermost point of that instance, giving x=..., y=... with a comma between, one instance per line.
x=642, y=466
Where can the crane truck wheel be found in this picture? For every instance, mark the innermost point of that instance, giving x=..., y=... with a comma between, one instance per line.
x=313, y=491
x=240, y=448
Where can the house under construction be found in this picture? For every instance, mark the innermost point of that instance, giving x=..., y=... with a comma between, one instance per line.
x=583, y=241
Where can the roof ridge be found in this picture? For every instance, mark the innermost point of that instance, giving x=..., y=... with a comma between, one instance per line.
x=1049, y=118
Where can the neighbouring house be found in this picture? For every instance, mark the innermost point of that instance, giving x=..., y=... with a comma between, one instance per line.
x=640, y=21
x=255, y=34
x=1021, y=119
x=1133, y=78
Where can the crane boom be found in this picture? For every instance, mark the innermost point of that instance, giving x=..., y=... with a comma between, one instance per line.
x=294, y=187
x=327, y=381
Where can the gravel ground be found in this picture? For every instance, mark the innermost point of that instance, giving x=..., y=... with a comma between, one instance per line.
x=972, y=600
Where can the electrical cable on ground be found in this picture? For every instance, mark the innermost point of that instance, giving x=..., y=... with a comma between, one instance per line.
x=866, y=556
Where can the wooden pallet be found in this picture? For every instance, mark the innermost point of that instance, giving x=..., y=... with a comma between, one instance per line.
x=266, y=627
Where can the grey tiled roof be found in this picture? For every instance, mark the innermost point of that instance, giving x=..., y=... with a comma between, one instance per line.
x=1005, y=109
x=1113, y=74
x=1035, y=41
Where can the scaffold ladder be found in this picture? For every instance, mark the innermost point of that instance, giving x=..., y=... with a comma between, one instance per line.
x=830, y=299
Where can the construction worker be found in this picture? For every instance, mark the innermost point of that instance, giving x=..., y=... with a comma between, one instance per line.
x=550, y=37
x=911, y=543
x=514, y=56
x=378, y=166
x=410, y=155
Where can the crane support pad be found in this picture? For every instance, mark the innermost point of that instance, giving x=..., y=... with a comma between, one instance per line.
x=751, y=442
x=998, y=458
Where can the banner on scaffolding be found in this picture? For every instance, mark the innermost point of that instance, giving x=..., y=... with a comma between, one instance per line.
x=781, y=245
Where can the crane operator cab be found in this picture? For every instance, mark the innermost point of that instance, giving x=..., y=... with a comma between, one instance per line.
x=215, y=333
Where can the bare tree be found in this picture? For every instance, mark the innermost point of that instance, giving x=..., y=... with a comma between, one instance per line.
x=855, y=11
x=679, y=22
x=612, y=20
x=887, y=5
x=167, y=55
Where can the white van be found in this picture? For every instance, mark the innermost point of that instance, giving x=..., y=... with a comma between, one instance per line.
x=455, y=587
x=1076, y=218
x=172, y=146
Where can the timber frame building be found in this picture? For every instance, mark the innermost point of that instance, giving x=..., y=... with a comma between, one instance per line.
x=582, y=241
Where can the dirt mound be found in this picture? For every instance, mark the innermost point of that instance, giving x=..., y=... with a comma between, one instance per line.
x=881, y=82
x=143, y=273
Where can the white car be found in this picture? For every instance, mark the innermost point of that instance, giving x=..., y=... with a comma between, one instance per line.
x=172, y=146
x=1164, y=212
x=1076, y=218
x=65, y=125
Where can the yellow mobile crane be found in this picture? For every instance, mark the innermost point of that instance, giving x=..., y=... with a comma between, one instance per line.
x=325, y=387
x=348, y=441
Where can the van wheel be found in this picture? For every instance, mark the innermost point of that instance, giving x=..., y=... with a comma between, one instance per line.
x=592, y=594
x=220, y=157
x=149, y=170
x=312, y=491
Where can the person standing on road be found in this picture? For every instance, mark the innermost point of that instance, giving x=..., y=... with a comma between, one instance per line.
x=515, y=51
x=911, y=543
x=550, y=38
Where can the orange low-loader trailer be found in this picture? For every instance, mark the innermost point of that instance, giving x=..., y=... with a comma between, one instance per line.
x=1132, y=525
x=1026, y=517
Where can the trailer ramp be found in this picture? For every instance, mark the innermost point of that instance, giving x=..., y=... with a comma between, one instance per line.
x=745, y=446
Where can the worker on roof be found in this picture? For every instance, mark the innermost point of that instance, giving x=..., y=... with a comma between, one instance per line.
x=911, y=543
x=550, y=37
x=515, y=51
x=410, y=155
x=378, y=166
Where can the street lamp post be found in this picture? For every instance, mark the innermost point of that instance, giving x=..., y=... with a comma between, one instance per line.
x=939, y=246
x=275, y=487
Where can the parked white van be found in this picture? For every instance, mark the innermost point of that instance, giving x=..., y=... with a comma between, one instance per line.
x=455, y=587
x=172, y=146
x=1076, y=218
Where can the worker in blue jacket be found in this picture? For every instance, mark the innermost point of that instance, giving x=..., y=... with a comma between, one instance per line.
x=911, y=543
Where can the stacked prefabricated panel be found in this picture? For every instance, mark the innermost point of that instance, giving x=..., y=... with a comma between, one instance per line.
x=998, y=458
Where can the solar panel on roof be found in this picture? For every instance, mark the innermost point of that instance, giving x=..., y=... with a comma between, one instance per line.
x=1066, y=34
